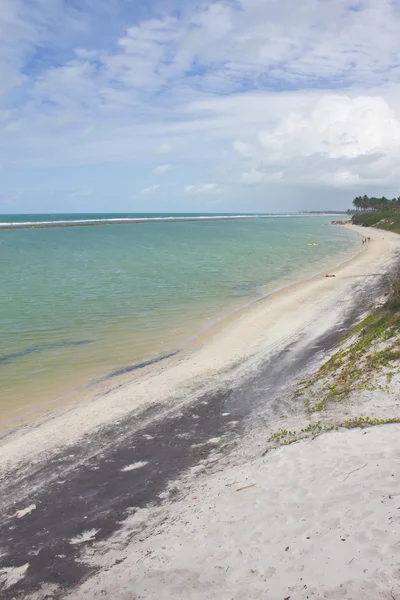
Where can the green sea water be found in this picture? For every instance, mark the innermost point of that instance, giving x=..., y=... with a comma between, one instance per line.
x=77, y=303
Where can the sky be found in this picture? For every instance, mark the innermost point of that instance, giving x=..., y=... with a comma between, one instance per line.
x=186, y=106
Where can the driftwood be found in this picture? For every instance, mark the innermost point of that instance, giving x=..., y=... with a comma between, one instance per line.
x=244, y=487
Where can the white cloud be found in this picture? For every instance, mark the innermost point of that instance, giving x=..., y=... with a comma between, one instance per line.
x=207, y=187
x=164, y=148
x=337, y=125
x=150, y=189
x=161, y=169
x=242, y=148
x=253, y=177
x=335, y=135
x=250, y=92
x=201, y=188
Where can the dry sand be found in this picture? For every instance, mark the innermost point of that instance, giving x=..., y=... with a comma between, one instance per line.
x=318, y=519
x=321, y=520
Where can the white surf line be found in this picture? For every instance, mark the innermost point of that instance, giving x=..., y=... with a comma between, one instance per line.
x=139, y=220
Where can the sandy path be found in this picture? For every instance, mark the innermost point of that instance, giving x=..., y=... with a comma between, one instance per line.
x=246, y=338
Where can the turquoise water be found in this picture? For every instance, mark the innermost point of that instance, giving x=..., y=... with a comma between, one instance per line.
x=77, y=303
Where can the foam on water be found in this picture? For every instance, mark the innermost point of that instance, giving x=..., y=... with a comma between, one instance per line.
x=146, y=219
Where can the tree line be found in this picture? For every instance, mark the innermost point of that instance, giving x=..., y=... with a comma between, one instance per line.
x=376, y=204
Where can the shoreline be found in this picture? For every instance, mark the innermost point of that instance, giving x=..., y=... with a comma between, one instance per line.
x=209, y=352
x=30, y=410
x=177, y=454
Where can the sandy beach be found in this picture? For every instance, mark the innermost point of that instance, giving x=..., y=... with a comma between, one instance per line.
x=314, y=520
x=157, y=487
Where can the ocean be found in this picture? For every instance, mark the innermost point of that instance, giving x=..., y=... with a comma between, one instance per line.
x=80, y=303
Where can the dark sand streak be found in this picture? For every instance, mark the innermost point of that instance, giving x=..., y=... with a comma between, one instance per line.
x=136, y=366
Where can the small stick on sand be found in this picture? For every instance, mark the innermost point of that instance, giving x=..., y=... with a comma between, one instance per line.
x=359, y=469
x=244, y=487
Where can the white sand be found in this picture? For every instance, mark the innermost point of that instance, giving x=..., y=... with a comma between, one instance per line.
x=321, y=521
x=247, y=339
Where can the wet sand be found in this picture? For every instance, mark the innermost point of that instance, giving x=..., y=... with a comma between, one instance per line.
x=85, y=490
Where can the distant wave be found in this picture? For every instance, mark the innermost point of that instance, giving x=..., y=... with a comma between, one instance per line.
x=121, y=220
x=126, y=219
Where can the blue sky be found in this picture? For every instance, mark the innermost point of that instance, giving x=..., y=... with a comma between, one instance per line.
x=245, y=105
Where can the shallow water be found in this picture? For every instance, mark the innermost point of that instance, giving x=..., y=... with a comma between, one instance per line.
x=79, y=303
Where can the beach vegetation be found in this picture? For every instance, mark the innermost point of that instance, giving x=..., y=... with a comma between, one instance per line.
x=284, y=437
x=371, y=346
x=382, y=220
x=299, y=393
x=377, y=212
